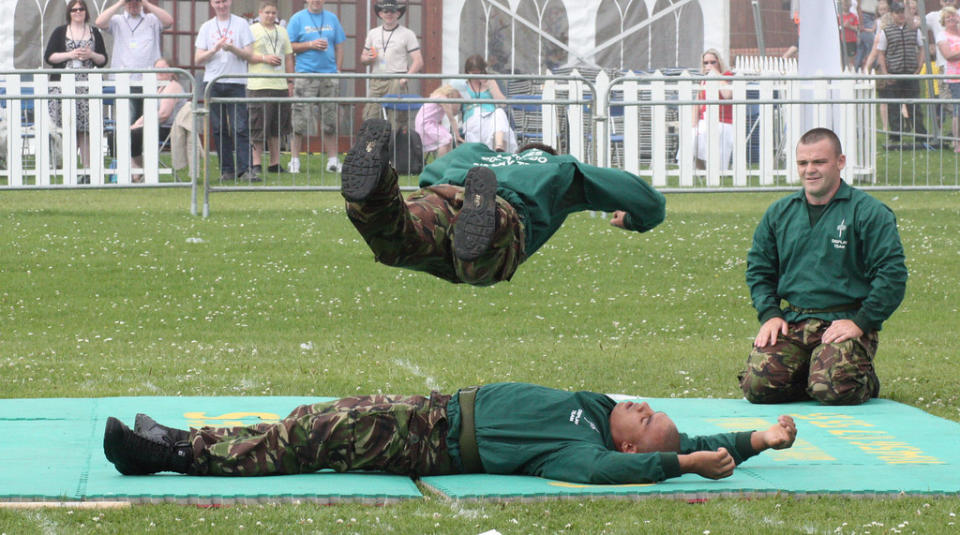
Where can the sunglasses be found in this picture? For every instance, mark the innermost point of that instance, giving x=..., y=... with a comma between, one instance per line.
x=78, y=10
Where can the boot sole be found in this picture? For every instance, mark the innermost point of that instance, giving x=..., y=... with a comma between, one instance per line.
x=148, y=427
x=477, y=221
x=366, y=161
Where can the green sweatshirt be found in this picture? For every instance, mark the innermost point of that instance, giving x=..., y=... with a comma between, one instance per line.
x=539, y=431
x=852, y=254
x=545, y=189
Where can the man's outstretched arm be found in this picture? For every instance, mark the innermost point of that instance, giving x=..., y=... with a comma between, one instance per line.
x=711, y=456
x=720, y=463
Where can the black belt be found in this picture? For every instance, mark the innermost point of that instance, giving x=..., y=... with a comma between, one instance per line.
x=469, y=453
x=828, y=310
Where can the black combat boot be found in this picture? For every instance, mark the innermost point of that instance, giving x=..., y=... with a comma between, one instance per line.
x=148, y=427
x=367, y=163
x=133, y=454
x=477, y=222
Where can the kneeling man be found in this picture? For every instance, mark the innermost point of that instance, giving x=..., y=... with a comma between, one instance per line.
x=833, y=254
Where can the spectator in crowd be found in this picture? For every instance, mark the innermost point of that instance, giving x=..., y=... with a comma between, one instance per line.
x=76, y=45
x=712, y=65
x=317, y=38
x=135, y=26
x=949, y=47
x=166, y=112
x=391, y=49
x=936, y=27
x=867, y=14
x=429, y=122
x=272, y=54
x=849, y=23
x=900, y=51
x=912, y=15
x=833, y=254
x=224, y=44
x=486, y=123
x=884, y=19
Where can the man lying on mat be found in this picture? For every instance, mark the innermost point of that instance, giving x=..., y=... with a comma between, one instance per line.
x=501, y=428
x=479, y=214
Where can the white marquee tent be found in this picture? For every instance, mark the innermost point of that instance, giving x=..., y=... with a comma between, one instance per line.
x=517, y=35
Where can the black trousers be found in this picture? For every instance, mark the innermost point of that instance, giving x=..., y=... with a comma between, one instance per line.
x=903, y=89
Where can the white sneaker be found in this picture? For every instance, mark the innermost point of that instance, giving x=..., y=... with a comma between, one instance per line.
x=334, y=165
x=294, y=165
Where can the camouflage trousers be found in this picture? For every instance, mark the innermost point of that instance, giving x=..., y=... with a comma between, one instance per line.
x=396, y=434
x=799, y=367
x=418, y=233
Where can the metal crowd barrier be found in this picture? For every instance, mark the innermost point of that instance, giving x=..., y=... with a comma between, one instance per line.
x=649, y=124
x=641, y=123
x=552, y=128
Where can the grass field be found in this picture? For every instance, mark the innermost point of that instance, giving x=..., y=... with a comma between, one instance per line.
x=119, y=293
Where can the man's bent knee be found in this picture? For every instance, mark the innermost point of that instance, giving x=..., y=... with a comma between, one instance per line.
x=760, y=389
x=852, y=391
x=768, y=378
x=843, y=373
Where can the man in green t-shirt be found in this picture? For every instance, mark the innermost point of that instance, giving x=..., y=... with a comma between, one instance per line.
x=500, y=428
x=479, y=214
x=834, y=255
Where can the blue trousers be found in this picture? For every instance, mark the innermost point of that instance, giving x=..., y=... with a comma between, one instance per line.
x=865, y=39
x=229, y=128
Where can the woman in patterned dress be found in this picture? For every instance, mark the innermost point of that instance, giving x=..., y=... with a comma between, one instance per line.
x=75, y=45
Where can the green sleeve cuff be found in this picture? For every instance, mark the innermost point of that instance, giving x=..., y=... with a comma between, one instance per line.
x=744, y=448
x=629, y=224
x=772, y=312
x=671, y=465
x=864, y=323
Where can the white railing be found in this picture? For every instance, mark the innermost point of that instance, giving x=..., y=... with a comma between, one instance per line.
x=39, y=154
x=648, y=120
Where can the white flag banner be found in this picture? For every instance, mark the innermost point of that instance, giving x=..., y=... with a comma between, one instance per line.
x=819, y=54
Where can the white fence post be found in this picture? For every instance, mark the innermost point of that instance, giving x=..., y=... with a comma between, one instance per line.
x=768, y=155
x=14, y=132
x=95, y=86
x=44, y=128
x=121, y=116
x=68, y=128
x=686, y=152
x=714, y=134
x=150, y=138
x=575, y=118
x=600, y=105
x=794, y=121
x=848, y=127
x=658, y=138
x=740, y=128
x=548, y=114
x=631, y=129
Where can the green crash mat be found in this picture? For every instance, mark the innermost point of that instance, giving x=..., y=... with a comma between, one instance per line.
x=878, y=448
x=53, y=451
